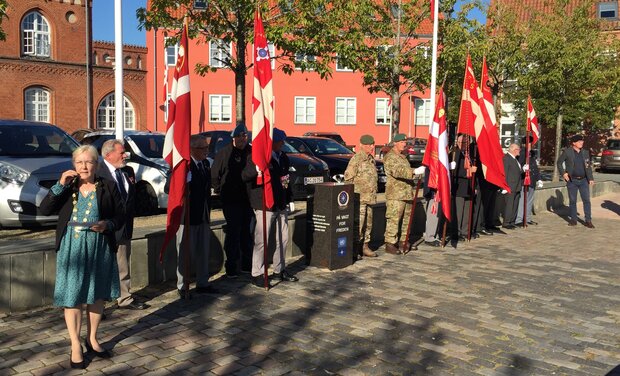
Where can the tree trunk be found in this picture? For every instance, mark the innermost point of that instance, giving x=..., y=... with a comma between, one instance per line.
x=558, y=146
x=240, y=72
x=395, y=113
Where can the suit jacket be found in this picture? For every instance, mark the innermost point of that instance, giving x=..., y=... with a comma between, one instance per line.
x=226, y=173
x=126, y=232
x=566, y=162
x=110, y=205
x=199, y=193
x=514, y=174
x=281, y=195
x=534, y=170
x=462, y=185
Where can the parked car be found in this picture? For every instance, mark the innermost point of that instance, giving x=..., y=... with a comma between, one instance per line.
x=333, y=135
x=304, y=169
x=146, y=158
x=415, y=149
x=610, y=156
x=334, y=154
x=32, y=157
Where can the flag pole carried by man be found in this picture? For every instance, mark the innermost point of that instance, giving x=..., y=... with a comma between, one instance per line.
x=532, y=131
x=176, y=144
x=262, y=122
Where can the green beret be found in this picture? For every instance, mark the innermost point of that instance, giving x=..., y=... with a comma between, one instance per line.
x=400, y=137
x=367, y=139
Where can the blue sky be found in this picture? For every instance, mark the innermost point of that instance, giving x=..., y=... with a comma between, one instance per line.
x=103, y=21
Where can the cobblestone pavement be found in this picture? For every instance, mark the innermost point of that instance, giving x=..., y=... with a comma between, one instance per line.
x=539, y=301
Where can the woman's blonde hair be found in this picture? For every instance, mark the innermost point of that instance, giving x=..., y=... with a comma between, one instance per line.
x=90, y=149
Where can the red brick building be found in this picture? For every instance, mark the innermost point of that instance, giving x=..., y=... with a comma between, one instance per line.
x=43, y=65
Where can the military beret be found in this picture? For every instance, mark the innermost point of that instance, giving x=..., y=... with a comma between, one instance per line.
x=399, y=137
x=576, y=138
x=239, y=129
x=367, y=139
x=278, y=135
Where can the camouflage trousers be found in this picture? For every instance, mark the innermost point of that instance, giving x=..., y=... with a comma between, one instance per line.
x=362, y=222
x=397, y=213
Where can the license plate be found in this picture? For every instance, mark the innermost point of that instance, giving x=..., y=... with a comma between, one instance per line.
x=313, y=180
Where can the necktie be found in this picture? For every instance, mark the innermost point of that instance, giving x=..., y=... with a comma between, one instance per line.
x=121, y=184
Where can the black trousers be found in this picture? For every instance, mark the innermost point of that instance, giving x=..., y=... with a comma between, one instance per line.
x=510, y=208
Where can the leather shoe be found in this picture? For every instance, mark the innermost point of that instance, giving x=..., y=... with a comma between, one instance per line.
x=285, y=276
x=572, y=223
x=434, y=243
x=184, y=295
x=589, y=224
x=77, y=365
x=392, y=249
x=475, y=235
x=509, y=227
x=134, y=306
x=259, y=281
x=532, y=223
x=407, y=247
x=486, y=232
x=105, y=354
x=207, y=290
x=366, y=251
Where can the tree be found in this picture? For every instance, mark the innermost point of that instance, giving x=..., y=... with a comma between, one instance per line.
x=297, y=28
x=3, y=7
x=572, y=72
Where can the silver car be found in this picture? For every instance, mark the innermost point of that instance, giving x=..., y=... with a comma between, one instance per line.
x=32, y=158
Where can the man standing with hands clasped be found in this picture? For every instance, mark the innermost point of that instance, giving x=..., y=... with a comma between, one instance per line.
x=514, y=179
x=115, y=169
x=362, y=172
x=576, y=169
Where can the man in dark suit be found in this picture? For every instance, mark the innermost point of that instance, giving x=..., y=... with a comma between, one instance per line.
x=575, y=168
x=461, y=189
x=535, y=182
x=514, y=179
x=115, y=169
x=199, y=222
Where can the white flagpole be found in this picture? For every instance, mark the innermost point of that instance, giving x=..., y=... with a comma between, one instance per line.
x=119, y=99
x=434, y=59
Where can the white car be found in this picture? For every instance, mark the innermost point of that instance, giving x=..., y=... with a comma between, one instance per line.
x=33, y=155
x=146, y=159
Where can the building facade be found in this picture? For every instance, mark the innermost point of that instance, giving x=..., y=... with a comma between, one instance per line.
x=45, y=72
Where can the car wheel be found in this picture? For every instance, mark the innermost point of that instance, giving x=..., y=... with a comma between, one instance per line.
x=146, y=200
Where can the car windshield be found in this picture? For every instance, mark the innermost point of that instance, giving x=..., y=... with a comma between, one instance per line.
x=151, y=145
x=288, y=148
x=323, y=146
x=20, y=140
x=613, y=144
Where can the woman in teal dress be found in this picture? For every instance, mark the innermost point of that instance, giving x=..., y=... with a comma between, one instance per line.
x=89, y=210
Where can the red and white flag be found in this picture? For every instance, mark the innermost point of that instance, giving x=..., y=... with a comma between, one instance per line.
x=473, y=117
x=436, y=157
x=165, y=85
x=176, y=144
x=262, y=105
x=532, y=121
x=490, y=126
x=433, y=10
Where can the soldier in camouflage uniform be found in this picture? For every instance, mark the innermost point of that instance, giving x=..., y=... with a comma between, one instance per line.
x=362, y=172
x=398, y=195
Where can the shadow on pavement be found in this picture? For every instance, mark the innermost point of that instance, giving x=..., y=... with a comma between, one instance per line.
x=611, y=206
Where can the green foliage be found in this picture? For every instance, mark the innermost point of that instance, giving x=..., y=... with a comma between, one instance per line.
x=3, y=7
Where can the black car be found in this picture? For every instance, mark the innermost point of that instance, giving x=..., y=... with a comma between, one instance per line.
x=334, y=154
x=304, y=169
x=414, y=150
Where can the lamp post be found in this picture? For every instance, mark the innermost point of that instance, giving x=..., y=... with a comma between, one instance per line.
x=119, y=98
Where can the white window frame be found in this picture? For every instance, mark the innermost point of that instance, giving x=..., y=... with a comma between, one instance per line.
x=304, y=57
x=305, y=110
x=422, y=111
x=200, y=4
x=171, y=51
x=218, y=52
x=346, y=110
x=383, y=111
x=272, y=52
x=37, y=104
x=340, y=68
x=424, y=49
x=106, y=112
x=217, y=102
x=607, y=7
x=35, y=35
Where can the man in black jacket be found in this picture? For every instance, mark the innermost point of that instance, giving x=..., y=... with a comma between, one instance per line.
x=226, y=178
x=575, y=168
x=199, y=220
x=514, y=179
x=115, y=169
x=461, y=189
x=278, y=213
x=535, y=182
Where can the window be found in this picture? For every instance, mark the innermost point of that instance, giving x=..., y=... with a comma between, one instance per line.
x=171, y=52
x=198, y=4
x=272, y=53
x=219, y=53
x=220, y=108
x=35, y=35
x=341, y=67
x=608, y=10
x=305, y=110
x=106, y=113
x=423, y=50
x=383, y=112
x=37, y=104
x=422, y=111
x=345, y=110
x=305, y=60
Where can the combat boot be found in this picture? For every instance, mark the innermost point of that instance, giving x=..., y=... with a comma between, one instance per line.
x=392, y=249
x=368, y=252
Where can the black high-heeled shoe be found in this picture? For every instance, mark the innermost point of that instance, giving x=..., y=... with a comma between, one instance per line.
x=77, y=365
x=105, y=354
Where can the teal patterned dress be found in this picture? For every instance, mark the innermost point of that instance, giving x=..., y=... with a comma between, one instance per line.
x=86, y=270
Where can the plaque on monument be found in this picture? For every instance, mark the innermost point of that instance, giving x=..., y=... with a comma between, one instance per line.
x=330, y=226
